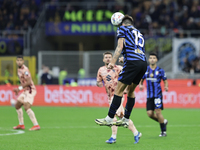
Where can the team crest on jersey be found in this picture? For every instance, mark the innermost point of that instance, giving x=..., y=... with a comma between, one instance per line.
x=157, y=72
x=151, y=75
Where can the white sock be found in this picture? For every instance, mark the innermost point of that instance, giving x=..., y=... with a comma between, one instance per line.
x=108, y=119
x=125, y=119
x=114, y=136
x=135, y=133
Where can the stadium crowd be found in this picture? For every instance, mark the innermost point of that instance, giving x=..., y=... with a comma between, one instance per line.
x=148, y=14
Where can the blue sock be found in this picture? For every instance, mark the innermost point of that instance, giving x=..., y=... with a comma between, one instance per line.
x=162, y=127
x=129, y=106
x=114, y=106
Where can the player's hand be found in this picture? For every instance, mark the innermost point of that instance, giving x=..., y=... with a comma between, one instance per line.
x=16, y=90
x=99, y=84
x=111, y=66
x=141, y=87
x=166, y=88
x=121, y=59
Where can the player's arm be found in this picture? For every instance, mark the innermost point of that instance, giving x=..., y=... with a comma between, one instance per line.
x=141, y=86
x=117, y=53
x=164, y=77
x=166, y=85
x=99, y=79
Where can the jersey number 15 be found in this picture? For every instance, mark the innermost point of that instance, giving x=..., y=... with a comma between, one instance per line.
x=138, y=36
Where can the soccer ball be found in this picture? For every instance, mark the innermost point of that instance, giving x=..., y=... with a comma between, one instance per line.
x=116, y=18
x=13, y=102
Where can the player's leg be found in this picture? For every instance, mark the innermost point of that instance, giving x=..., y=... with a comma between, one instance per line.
x=19, y=111
x=158, y=109
x=113, y=137
x=133, y=77
x=150, y=106
x=161, y=121
x=135, y=132
x=152, y=115
x=114, y=128
x=28, y=101
x=31, y=114
x=108, y=121
x=129, y=106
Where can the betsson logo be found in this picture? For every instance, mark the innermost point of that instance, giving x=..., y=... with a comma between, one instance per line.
x=5, y=96
x=67, y=96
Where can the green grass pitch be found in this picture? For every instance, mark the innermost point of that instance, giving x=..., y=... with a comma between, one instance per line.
x=73, y=128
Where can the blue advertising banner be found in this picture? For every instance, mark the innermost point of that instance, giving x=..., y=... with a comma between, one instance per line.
x=11, y=46
x=80, y=28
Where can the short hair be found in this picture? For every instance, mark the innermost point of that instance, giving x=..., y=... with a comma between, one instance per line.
x=107, y=53
x=127, y=19
x=20, y=56
x=153, y=54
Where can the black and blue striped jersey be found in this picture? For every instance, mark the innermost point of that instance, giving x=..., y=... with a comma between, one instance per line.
x=133, y=48
x=153, y=79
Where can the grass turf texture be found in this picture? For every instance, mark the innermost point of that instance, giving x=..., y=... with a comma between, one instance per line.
x=73, y=128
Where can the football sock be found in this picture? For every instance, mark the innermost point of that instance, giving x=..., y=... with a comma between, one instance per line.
x=135, y=133
x=129, y=106
x=114, y=106
x=20, y=116
x=114, y=136
x=32, y=116
x=162, y=127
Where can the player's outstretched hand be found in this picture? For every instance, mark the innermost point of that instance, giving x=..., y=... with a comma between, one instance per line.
x=16, y=90
x=121, y=59
x=166, y=89
x=110, y=66
x=141, y=87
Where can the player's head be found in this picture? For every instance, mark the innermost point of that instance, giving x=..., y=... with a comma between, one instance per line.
x=20, y=61
x=153, y=58
x=107, y=57
x=127, y=20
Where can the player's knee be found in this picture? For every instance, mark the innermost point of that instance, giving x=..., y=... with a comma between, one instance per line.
x=150, y=114
x=18, y=105
x=158, y=111
x=26, y=107
x=119, y=93
x=131, y=94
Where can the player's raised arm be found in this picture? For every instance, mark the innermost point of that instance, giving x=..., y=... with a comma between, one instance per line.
x=117, y=53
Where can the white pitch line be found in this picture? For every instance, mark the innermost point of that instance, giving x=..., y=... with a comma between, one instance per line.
x=15, y=132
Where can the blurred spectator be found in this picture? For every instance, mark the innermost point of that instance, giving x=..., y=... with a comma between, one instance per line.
x=192, y=66
x=18, y=14
x=62, y=76
x=81, y=73
x=47, y=76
